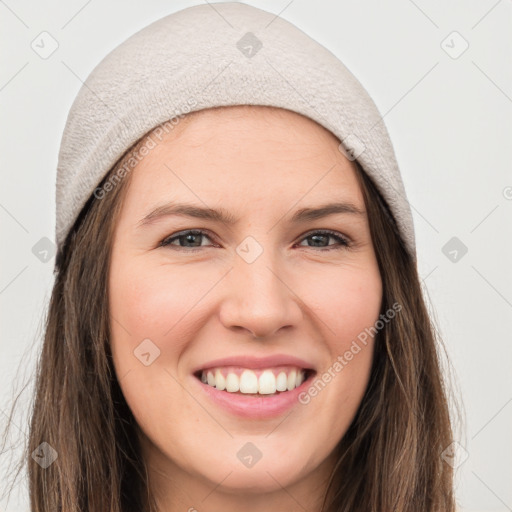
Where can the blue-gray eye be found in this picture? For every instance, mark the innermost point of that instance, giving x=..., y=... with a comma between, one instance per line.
x=195, y=236
x=191, y=236
x=319, y=237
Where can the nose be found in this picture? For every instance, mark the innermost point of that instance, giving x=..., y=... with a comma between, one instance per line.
x=259, y=299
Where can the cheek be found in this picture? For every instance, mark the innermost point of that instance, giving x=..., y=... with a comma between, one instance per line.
x=154, y=302
x=149, y=300
x=347, y=301
x=151, y=303
x=347, y=304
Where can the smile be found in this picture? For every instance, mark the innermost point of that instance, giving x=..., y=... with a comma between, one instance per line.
x=264, y=381
x=256, y=394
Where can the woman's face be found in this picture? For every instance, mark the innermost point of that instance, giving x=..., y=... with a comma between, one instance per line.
x=267, y=282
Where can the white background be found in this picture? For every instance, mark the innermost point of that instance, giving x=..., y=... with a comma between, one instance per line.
x=450, y=120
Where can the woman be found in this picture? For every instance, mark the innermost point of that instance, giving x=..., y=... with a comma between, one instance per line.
x=285, y=359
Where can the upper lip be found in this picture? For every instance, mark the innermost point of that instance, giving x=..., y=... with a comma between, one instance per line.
x=252, y=362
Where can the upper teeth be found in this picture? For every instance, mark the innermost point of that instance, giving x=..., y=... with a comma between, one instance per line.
x=247, y=381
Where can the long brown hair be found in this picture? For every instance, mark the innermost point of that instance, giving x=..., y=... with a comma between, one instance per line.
x=388, y=460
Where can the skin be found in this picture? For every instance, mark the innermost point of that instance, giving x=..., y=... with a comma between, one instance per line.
x=260, y=164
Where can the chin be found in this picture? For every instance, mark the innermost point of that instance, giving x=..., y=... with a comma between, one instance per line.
x=260, y=479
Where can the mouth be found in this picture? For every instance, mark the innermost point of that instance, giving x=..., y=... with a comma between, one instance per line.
x=261, y=382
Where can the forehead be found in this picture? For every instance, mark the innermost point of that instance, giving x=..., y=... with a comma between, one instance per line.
x=243, y=156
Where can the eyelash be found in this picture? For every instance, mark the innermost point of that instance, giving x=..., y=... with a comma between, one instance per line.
x=344, y=243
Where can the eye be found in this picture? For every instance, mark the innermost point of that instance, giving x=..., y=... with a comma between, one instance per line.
x=194, y=237
x=319, y=237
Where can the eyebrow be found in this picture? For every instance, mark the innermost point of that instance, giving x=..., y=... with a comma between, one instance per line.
x=222, y=215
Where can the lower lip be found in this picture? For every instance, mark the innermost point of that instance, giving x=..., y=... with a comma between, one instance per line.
x=255, y=406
